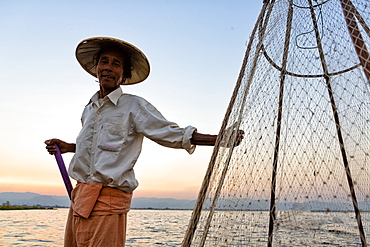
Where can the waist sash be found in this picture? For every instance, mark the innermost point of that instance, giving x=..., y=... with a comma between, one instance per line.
x=97, y=199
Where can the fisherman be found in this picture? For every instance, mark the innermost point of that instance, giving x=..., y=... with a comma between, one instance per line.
x=110, y=141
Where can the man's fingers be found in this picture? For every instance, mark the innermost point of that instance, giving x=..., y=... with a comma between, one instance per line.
x=50, y=147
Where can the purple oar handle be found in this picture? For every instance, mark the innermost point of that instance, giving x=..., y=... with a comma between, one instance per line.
x=63, y=171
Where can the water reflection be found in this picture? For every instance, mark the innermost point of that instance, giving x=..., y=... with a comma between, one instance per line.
x=46, y=227
x=32, y=227
x=157, y=227
x=168, y=227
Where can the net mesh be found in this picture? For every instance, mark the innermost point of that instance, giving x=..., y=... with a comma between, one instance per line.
x=300, y=177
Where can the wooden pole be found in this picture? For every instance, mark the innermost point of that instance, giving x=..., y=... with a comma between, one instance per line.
x=193, y=224
x=359, y=44
x=338, y=127
x=272, y=212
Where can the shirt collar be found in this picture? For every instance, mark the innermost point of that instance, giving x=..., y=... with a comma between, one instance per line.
x=113, y=96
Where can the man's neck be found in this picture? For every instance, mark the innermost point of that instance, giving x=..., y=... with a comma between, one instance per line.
x=103, y=92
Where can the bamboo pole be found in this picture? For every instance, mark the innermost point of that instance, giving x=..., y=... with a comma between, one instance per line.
x=338, y=127
x=359, y=44
x=272, y=211
x=193, y=224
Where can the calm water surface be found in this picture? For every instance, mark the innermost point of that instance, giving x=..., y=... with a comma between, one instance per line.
x=46, y=227
x=168, y=227
x=32, y=227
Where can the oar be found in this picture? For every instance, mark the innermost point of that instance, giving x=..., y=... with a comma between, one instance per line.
x=63, y=171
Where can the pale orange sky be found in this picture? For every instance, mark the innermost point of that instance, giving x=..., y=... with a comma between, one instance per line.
x=195, y=49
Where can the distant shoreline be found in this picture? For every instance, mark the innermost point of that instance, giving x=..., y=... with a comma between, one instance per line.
x=22, y=207
x=185, y=209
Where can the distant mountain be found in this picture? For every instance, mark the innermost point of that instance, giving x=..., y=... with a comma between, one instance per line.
x=161, y=203
x=32, y=199
x=14, y=195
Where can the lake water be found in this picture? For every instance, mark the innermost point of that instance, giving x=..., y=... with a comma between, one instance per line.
x=156, y=228
x=46, y=227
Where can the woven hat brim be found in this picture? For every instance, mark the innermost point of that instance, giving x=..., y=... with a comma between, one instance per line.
x=88, y=48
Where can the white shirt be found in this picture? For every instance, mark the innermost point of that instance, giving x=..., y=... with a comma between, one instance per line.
x=111, y=138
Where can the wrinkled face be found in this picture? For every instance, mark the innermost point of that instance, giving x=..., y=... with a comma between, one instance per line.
x=110, y=70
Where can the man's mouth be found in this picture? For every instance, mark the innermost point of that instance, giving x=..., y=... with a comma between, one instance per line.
x=108, y=77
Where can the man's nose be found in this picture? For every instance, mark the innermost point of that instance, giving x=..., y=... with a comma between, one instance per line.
x=107, y=67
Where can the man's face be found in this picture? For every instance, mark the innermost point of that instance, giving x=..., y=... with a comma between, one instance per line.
x=110, y=70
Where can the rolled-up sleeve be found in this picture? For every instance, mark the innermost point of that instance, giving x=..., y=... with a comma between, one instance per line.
x=186, y=140
x=151, y=123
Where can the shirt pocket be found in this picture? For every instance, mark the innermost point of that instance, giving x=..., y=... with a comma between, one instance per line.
x=112, y=136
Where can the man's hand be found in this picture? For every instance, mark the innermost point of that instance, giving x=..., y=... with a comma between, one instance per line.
x=230, y=131
x=239, y=137
x=63, y=146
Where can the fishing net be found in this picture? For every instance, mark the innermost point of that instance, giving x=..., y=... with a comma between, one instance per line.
x=301, y=175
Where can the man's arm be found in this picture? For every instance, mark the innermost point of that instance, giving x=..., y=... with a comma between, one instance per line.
x=210, y=140
x=203, y=139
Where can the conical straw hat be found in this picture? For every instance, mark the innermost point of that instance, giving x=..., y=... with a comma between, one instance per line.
x=88, y=48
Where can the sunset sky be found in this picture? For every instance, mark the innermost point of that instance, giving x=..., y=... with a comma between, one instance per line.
x=195, y=49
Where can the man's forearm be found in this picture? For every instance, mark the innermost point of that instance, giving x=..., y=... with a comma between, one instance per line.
x=203, y=139
x=71, y=147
